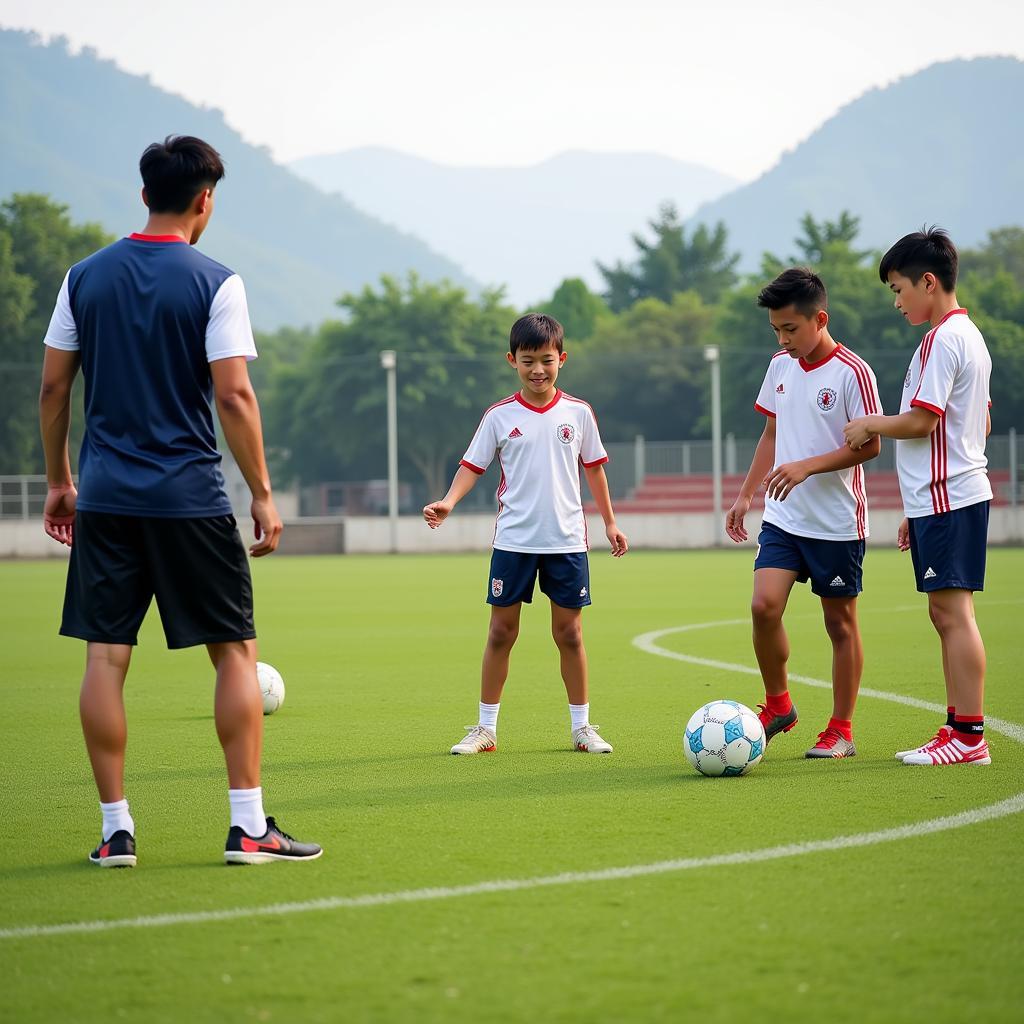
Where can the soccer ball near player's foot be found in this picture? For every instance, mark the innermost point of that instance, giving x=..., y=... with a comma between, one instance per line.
x=271, y=687
x=724, y=738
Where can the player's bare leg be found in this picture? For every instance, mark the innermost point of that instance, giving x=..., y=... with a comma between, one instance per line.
x=771, y=647
x=567, y=631
x=104, y=725
x=836, y=740
x=502, y=634
x=238, y=711
x=847, y=653
x=952, y=615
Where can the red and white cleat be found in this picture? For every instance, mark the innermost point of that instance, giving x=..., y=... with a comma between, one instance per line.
x=951, y=751
x=940, y=737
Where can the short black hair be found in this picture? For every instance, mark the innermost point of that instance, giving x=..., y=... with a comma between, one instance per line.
x=799, y=287
x=928, y=251
x=535, y=330
x=176, y=170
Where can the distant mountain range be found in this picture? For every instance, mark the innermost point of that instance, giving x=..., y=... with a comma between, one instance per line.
x=943, y=146
x=526, y=227
x=75, y=126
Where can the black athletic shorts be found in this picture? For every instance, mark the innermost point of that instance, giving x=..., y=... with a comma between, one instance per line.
x=197, y=569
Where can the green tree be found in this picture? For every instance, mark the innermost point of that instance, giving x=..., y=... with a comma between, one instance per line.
x=1003, y=251
x=38, y=243
x=644, y=370
x=669, y=263
x=576, y=308
x=328, y=412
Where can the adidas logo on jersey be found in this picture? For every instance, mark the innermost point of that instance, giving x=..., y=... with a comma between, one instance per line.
x=930, y=573
x=837, y=582
x=515, y=432
x=780, y=390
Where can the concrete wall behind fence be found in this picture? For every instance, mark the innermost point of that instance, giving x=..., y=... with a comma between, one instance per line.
x=372, y=534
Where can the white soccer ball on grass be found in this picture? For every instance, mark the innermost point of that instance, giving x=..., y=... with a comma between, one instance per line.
x=724, y=738
x=271, y=687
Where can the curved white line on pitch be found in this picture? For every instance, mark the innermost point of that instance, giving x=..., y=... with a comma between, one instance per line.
x=1012, y=805
x=647, y=642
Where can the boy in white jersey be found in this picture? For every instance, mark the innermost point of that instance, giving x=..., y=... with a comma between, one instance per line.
x=815, y=519
x=541, y=436
x=940, y=437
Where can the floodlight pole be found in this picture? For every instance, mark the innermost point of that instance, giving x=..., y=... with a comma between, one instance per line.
x=712, y=354
x=389, y=362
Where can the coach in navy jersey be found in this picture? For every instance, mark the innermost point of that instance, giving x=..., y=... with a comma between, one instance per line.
x=160, y=331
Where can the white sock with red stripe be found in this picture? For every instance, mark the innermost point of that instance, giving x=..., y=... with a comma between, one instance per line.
x=247, y=811
x=116, y=818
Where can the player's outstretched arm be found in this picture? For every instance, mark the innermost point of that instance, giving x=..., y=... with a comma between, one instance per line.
x=784, y=478
x=916, y=422
x=436, y=512
x=59, y=370
x=760, y=466
x=239, y=414
x=597, y=481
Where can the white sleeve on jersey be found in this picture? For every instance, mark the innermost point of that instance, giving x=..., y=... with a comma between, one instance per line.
x=228, y=332
x=766, y=396
x=592, y=451
x=480, y=452
x=62, y=332
x=862, y=397
x=937, y=378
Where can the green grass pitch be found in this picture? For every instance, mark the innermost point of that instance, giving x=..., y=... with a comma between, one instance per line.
x=381, y=659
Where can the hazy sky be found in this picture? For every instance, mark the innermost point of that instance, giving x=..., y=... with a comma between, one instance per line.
x=731, y=84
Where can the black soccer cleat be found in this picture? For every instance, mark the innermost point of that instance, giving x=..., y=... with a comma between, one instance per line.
x=774, y=724
x=116, y=852
x=274, y=844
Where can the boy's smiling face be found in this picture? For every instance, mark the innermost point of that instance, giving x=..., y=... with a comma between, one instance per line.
x=538, y=370
x=914, y=301
x=798, y=334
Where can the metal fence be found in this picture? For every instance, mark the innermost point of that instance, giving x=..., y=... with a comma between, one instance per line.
x=630, y=463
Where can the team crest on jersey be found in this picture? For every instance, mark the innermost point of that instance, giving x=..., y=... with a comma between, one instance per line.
x=566, y=432
x=497, y=586
x=906, y=380
x=826, y=399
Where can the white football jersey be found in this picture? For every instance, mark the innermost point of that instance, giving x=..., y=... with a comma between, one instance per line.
x=811, y=403
x=540, y=451
x=949, y=375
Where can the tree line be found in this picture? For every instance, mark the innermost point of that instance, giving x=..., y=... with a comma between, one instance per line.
x=636, y=348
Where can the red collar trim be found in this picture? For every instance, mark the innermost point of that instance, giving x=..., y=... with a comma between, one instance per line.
x=807, y=367
x=537, y=408
x=952, y=312
x=136, y=237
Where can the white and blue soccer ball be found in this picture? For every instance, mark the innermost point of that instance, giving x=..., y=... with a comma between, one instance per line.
x=271, y=687
x=724, y=738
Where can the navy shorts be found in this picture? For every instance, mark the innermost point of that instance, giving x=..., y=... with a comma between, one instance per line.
x=834, y=567
x=196, y=568
x=565, y=578
x=948, y=549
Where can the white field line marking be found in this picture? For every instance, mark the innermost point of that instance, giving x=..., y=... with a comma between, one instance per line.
x=1012, y=805
x=648, y=642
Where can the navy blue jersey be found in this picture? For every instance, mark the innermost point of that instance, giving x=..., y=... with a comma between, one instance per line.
x=148, y=315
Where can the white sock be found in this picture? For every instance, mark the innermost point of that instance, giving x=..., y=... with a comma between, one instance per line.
x=247, y=811
x=580, y=714
x=115, y=818
x=489, y=716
